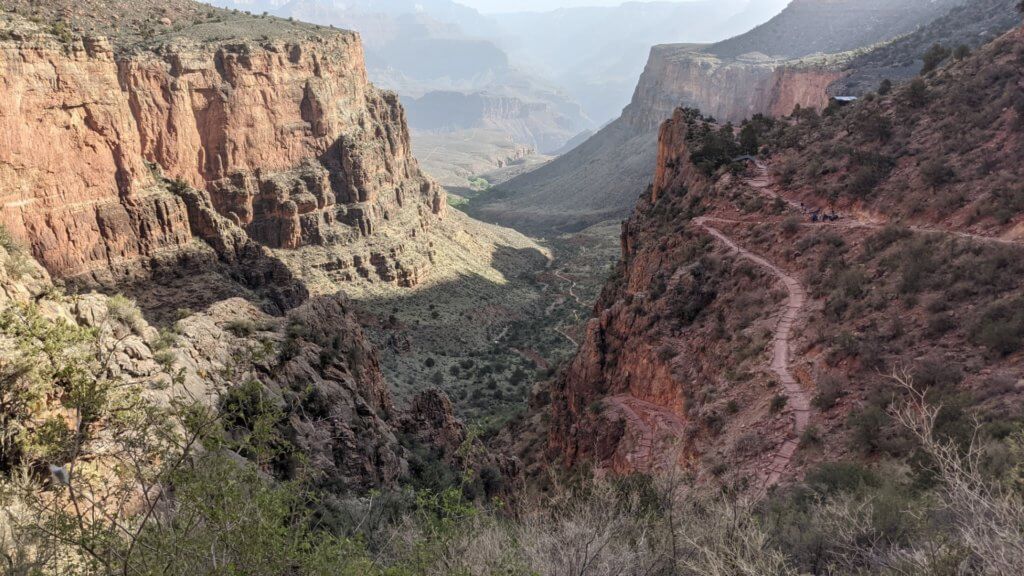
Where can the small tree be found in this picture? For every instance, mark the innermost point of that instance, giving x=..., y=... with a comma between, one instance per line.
x=885, y=87
x=933, y=57
x=917, y=93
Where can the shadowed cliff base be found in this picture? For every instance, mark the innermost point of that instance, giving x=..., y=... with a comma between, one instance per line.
x=496, y=314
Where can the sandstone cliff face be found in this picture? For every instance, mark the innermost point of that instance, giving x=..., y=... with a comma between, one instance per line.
x=73, y=182
x=619, y=356
x=679, y=75
x=286, y=136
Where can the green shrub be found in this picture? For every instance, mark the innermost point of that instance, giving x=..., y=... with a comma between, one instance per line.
x=936, y=172
x=874, y=126
x=63, y=33
x=791, y=225
x=17, y=263
x=811, y=436
x=916, y=93
x=778, y=403
x=834, y=477
x=124, y=311
x=933, y=57
x=241, y=327
x=1000, y=327
x=868, y=426
x=831, y=387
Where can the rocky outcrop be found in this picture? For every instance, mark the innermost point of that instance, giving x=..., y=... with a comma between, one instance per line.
x=430, y=420
x=285, y=135
x=729, y=90
x=342, y=417
x=619, y=375
x=316, y=365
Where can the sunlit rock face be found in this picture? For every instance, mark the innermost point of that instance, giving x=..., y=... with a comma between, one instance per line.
x=286, y=135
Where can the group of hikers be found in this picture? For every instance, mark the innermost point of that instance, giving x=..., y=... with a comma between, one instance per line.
x=819, y=215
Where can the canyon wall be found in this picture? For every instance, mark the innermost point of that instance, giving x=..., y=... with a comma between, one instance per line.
x=620, y=362
x=680, y=75
x=600, y=179
x=73, y=180
x=286, y=136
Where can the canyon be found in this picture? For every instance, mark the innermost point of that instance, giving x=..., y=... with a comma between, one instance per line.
x=788, y=61
x=247, y=326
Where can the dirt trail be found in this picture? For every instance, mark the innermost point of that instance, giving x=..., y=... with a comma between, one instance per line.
x=658, y=429
x=799, y=401
x=572, y=286
x=762, y=181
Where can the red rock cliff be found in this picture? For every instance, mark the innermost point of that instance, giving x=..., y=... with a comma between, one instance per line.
x=729, y=90
x=286, y=135
x=619, y=379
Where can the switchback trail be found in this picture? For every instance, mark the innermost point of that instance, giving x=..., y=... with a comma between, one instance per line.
x=798, y=399
x=572, y=286
x=762, y=181
x=658, y=429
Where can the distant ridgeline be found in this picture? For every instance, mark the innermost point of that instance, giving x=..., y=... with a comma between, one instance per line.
x=809, y=52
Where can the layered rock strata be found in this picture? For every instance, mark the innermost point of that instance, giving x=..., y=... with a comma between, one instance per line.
x=285, y=135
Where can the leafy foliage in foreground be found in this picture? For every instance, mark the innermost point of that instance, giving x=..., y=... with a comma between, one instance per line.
x=166, y=507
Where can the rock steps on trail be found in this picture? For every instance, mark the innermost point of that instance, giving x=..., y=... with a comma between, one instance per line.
x=798, y=400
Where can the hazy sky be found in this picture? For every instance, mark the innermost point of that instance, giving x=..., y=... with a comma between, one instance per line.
x=535, y=5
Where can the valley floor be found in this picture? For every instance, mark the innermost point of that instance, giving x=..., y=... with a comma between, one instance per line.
x=497, y=313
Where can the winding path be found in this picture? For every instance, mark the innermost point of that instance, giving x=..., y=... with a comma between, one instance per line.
x=572, y=286
x=658, y=430
x=799, y=401
x=762, y=182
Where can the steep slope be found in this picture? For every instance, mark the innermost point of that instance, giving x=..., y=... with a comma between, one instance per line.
x=813, y=26
x=972, y=24
x=275, y=121
x=768, y=70
x=316, y=362
x=745, y=338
